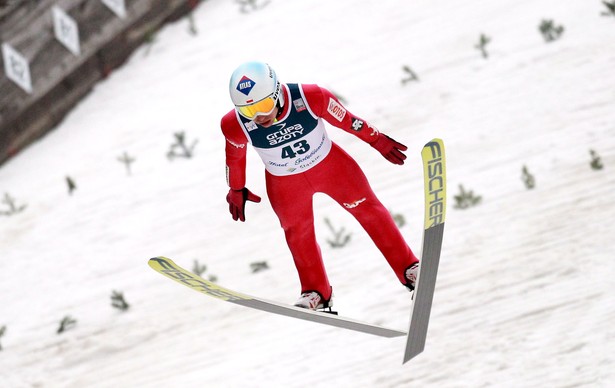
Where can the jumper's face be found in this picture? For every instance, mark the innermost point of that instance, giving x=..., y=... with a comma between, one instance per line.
x=266, y=120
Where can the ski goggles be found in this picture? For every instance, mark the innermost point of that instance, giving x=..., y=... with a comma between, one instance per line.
x=262, y=107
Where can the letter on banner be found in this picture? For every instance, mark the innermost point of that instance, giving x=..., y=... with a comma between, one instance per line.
x=16, y=67
x=117, y=6
x=66, y=30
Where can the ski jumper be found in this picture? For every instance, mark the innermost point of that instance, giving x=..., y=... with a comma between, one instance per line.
x=300, y=160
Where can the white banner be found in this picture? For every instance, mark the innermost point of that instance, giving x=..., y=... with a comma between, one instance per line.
x=117, y=6
x=66, y=30
x=16, y=67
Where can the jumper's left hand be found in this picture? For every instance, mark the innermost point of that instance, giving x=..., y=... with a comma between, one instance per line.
x=237, y=202
x=390, y=149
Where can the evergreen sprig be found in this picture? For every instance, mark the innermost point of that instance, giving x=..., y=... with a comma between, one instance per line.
x=610, y=6
x=550, y=32
x=118, y=301
x=483, y=41
x=259, y=266
x=12, y=207
x=127, y=160
x=399, y=219
x=596, y=162
x=527, y=178
x=2, y=332
x=66, y=323
x=466, y=199
x=340, y=237
x=410, y=75
x=198, y=268
x=72, y=186
x=181, y=146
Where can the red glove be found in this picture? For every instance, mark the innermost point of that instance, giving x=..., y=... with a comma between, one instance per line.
x=390, y=149
x=237, y=202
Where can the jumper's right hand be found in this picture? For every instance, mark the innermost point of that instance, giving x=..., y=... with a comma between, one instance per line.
x=237, y=202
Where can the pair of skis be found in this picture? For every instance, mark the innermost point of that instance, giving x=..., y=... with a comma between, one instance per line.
x=434, y=169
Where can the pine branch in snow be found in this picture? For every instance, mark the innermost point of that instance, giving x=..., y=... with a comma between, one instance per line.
x=118, y=301
x=411, y=75
x=340, y=237
x=259, y=266
x=198, y=268
x=66, y=323
x=399, y=219
x=180, y=144
x=72, y=186
x=2, y=332
x=610, y=6
x=466, y=199
x=12, y=207
x=527, y=178
x=483, y=41
x=596, y=162
x=550, y=32
x=127, y=160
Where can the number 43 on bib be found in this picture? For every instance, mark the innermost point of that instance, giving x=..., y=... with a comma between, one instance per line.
x=299, y=148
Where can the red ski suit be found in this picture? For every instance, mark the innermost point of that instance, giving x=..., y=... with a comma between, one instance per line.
x=306, y=167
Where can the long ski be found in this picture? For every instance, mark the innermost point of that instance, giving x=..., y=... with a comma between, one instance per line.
x=173, y=271
x=434, y=170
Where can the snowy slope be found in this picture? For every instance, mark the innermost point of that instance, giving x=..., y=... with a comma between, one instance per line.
x=525, y=290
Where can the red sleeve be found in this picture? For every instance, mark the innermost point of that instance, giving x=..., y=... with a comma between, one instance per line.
x=236, y=151
x=324, y=104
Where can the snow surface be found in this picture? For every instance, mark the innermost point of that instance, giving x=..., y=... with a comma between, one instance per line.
x=525, y=294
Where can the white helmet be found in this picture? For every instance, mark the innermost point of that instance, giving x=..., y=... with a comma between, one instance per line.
x=255, y=89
